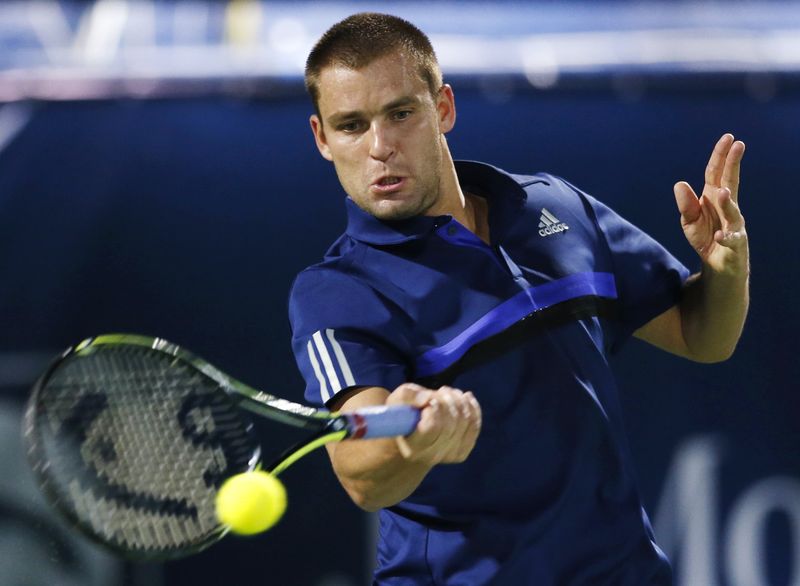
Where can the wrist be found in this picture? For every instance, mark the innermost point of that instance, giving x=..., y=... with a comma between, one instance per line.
x=732, y=271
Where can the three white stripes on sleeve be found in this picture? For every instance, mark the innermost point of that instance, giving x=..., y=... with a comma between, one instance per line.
x=329, y=383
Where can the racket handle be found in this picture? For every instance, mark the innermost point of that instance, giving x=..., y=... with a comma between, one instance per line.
x=381, y=421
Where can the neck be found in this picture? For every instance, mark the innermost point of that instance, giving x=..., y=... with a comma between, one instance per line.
x=471, y=211
x=451, y=200
x=477, y=212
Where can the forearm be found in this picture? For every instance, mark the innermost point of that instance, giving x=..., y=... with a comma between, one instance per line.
x=374, y=472
x=713, y=310
x=380, y=473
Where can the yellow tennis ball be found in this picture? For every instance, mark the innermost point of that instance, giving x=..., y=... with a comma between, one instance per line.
x=251, y=502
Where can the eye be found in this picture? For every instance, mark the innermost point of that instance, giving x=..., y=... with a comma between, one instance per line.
x=401, y=114
x=349, y=127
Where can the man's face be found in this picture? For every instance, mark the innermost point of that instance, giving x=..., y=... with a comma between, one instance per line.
x=384, y=133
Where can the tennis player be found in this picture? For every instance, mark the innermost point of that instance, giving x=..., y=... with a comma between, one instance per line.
x=492, y=301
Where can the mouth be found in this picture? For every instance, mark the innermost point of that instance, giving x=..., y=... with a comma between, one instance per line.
x=388, y=184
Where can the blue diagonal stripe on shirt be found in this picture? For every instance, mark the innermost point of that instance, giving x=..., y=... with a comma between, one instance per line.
x=510, y=312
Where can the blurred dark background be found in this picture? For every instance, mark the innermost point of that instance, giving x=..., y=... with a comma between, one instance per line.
x=157, y=175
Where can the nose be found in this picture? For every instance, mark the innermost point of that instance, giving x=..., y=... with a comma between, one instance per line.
x=381, y=145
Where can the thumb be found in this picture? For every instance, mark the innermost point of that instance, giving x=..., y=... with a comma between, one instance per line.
x=688, y=204
x=411, y=394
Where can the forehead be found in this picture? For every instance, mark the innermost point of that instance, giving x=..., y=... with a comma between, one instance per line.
x=387, y=78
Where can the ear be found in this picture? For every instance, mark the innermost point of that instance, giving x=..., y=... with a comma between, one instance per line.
x=446, y=108
x=319, y=137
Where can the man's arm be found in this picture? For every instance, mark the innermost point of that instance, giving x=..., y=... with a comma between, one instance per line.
x=381, y=472
x=706, y=324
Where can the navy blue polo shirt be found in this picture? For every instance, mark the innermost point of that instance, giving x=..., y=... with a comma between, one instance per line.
x=548, y=494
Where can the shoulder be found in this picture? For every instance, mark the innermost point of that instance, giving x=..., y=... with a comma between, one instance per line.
x=330, y=293
x=331, y=280
x=333, y=271
x=553, y=205
x=546, y=187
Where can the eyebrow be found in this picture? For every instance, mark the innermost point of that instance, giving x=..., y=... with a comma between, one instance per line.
x=339, y=117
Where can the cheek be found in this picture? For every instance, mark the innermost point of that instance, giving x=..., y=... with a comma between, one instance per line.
x=426, y=137
x=350, y=158
x=429, y=149
x=349, y=171
x=346, y=151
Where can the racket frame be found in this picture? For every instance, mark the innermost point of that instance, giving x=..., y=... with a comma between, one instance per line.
x=326, y=427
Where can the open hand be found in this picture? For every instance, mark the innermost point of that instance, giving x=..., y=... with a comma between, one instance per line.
x=713, y=223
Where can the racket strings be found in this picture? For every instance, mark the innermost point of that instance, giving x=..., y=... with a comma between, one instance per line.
x=137, y=443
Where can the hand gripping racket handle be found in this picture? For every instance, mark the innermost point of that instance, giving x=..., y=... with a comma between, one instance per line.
x=381, y=421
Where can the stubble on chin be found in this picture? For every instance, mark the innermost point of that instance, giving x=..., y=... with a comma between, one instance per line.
x=391, y=213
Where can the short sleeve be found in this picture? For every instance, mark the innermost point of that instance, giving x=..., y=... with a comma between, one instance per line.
x=649, y=279
x=344, y=335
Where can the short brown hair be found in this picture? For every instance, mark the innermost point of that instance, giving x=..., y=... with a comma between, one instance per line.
x=358, y=40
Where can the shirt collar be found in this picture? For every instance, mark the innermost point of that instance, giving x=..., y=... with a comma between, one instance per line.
x=503, y=192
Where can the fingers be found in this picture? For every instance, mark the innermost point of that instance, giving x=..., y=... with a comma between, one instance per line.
x=732, y=233
x=475, y=417
x=464, y=426
x=410, y=394
x=421, y=445
x=716, y=164
x=724, y=213
x=736, y=240
x=449, y=425
x=728, y=210
x=724, y=165
x=730, y=173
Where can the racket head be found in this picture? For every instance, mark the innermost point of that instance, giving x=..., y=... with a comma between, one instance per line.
x=130, y=439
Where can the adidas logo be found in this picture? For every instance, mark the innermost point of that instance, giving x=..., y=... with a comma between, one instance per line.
x=549, y=224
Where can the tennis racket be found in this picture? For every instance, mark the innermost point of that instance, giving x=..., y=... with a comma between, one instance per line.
x=131, y=437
